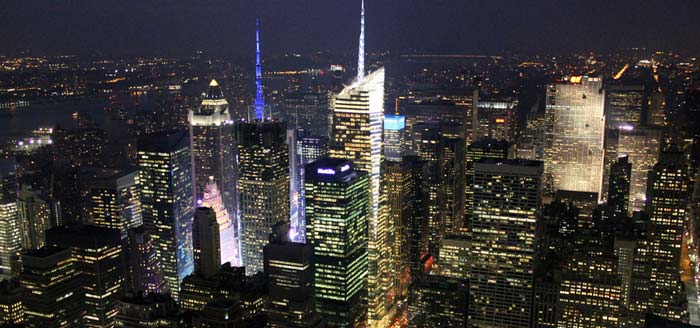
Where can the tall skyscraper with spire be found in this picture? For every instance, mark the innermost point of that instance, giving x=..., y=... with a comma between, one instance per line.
x=213, y=143
x=358, y=115
x=259, y=100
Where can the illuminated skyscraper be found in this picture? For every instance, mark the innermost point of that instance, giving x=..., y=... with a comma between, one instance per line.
x=11, y=308
x=50, y=283
x=227, y=234
x=144, y=272
x=308, y=111
x=497, y=119
x=455, y=257
x=115, y=200
x=437, y=301
x=213, y=145
x=658, y=288
x=642, y=146
x=590, y=294
x=400, y=199
x=167, y=200
x=309, y=148
x=482, y=148
x=394, y=137
x=337, y=211
x=97, y=252
x=206, y=247
x=10, y=237
x=624, y=105
x=507, y=198
x=263, y=186
x=358, y=115
x=290, y=282
x=36, y=215
x=619, y=186
x=574, y=134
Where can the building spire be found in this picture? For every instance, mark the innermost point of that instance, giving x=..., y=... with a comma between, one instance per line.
x=361, y=52
x=259, y=101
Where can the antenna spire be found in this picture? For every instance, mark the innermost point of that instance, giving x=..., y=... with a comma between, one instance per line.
x=259, y=101
x=361, y=52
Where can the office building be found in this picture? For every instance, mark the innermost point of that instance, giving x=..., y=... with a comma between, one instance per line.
x=394, y=137
x=147, y=310
x=642, y=146
x=309, y=148
x=308, y=111
x=574, y=135
x=97, y=251
x=205, y=242
x=115, y=200
x=263, y=186
x=497, y=119
x=10, y=238
x=337, y=212
x=619, y=186
x=36, y=215
x=482, y=148
x=144, y=273
x=400, y=200
x=658, y=288
x=358, y=114
x=289, y=274
x=624, y=106
x=455, y=257
x=213, y=145
x=51, y=292
x=11, y=307
x=438, y=301
x=507, y=198
x=167, y=201
x=227, y=231
x=590, y=294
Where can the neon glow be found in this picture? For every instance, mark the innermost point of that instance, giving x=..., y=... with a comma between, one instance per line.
x=325, y=171
x=259, y=101
x=394, y=122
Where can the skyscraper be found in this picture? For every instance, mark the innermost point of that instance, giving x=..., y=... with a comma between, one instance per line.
x=167, y=200
x=482, y=148
x=227, y=234
x=213, y=145
x=624, y=105
x=574, y=134
x=263, y=186
x=337, y=211
x=642, y=146
x=50, y=282
x=400, y=190
x=507, y=198
x=308, y=111
x=115, y=200
x=437, y=301
x=206, y=247
x=36, y=215
x=289, y=281
x=394, y=137
x=144, y=273
x=658, y=288
x=619, y=186
x=97, y=253
x=10, y=238
x=358, y=114
x=309, y=148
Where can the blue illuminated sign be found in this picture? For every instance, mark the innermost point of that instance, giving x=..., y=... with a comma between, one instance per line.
x=394, y=122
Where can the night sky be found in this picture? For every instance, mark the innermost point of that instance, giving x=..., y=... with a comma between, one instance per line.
x=225, y=28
